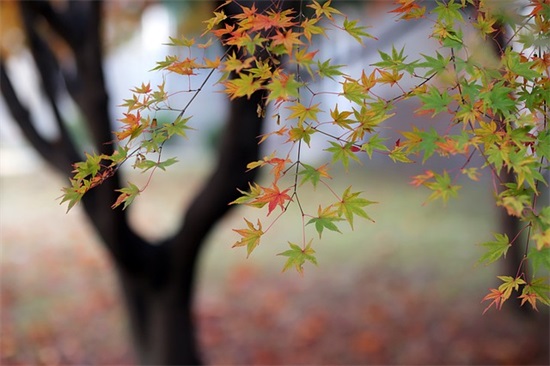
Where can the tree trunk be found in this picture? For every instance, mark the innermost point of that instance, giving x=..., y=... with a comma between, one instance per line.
x=157, y=279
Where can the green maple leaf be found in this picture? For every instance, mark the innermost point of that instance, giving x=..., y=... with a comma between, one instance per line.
x=351, y=204
x=495, y=249
x=245, y=84
x=442, y=188
x=127, y=195
x=325, y=69
x=325, y=220
x=356, y=31
x=283, y=86
x=89, y=167
x=498, y=99
x=248, y=197
x=374, y=143
x=342, y=153
x=298, y=256
x=312, y=174
x=540, y=287
x=178, y=127
x=435, y=65
x=396, y=61
x=74, y=193
x=309, y=28
x=398, y=154
x=449, y=12
x=301, y=133
x=435, y=101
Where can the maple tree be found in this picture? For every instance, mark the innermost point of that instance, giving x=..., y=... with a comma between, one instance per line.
x=496, y=111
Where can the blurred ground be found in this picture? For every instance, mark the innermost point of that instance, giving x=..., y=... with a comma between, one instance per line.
x=403, y=290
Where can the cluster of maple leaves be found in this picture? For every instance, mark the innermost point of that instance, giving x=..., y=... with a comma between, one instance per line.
x=498, y=112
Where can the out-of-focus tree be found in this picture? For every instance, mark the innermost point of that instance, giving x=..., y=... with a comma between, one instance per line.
x=67, y=45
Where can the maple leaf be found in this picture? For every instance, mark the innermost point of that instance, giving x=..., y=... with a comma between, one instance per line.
x=263, y=22
x=351, y=204
x=219, y=16
x=74, y=193
x=245, y=84
x=127, y=195
x=510, y=284
x=309, y=28
x=305, y=59
x=143, y=89
x=282, y=87
x=313, y=174
x=531, y=297
x=471, y=173
x=287, y=39
x=325, y=220
x=442, y=187
x=356, y=31
x=182, y=42
x=325, y=69
x=277, y=163
x=495, y=249
x=301, y=133
x=375, y=143
x=185, y=67
x=234, y=63
x=247, y=197
x=302, y=112
x=409, y=9
x=342, y=153
x=537, y=290
x=398, y=154
x=273, y=197
x=298, y=256
x=496, y=296
x=280, y=132
x=250, y=237
x=341, y=118
x=391, y=78
x=324, y=10
x=228, y=29
x=485, y=25
x=368, y=81
x=421, y=179
x=353, y=91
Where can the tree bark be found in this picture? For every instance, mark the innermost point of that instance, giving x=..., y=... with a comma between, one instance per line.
x=157, y=279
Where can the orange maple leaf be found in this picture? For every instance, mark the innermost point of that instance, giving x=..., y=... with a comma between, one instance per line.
x=405, y=6
x=288, y=39
x=420, y=179
x=280, y=132
x=273, y=197
x=537, y=6
x=184, y=67
x=278, y=166
x=531, y=298
x=498, y=298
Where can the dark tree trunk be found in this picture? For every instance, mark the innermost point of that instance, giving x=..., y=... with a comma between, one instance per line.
x=157, y=279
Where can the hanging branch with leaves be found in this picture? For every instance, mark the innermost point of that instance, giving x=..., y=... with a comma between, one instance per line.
x=498, y=112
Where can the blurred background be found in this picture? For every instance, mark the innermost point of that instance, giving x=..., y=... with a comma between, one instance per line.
x=403, y=290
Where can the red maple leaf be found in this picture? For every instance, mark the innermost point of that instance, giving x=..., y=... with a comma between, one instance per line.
x=273, y=197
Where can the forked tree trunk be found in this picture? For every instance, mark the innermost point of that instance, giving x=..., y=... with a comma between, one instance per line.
x=157, y=279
